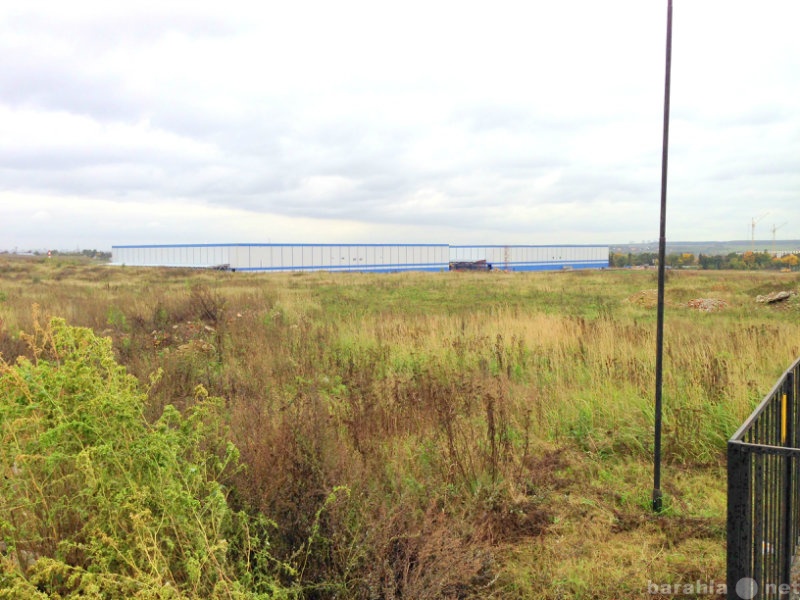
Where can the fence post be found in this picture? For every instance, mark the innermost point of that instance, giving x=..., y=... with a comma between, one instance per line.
x=739, y=517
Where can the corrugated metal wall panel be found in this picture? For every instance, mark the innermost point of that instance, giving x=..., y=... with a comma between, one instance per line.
x=533, y=257
x=375, y=257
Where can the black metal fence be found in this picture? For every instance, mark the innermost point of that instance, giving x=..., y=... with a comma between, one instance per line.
x=764, y=496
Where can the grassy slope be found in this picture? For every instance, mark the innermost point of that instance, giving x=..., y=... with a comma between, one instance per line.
x=494, y=430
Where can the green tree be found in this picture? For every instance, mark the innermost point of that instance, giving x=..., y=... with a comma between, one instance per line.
x=790, y=260
x=707, y=261
x=618, y=259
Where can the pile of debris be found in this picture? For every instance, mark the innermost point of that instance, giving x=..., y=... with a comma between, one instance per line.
x=775, y=297
x=477, y=265
x=707, y=304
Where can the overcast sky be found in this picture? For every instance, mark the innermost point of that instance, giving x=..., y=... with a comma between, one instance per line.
x=531, y=122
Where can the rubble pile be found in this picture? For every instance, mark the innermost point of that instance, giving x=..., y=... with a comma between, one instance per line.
x=775, y=297
x=707, y=304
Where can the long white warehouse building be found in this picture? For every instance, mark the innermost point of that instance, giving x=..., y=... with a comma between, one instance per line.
x=289, y=257
x=358, y=257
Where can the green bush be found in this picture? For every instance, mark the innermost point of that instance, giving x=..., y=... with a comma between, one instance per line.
x=96, y=502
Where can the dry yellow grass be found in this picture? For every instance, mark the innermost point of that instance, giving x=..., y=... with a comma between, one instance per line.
x=492, y=428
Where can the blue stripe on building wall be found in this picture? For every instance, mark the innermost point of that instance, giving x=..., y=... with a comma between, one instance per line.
x=371, y=268
x=494, y=246
x=283, y=246
x=381, y=269
x=560, y=265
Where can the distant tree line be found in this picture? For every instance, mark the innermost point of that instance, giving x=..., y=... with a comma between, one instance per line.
x=92, y=254
x=95, y=254
x=734, y=260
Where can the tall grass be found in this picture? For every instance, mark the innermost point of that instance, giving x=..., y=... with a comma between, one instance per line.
x=453, y=407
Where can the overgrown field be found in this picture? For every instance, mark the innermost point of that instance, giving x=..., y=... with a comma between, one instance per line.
x=450, y=435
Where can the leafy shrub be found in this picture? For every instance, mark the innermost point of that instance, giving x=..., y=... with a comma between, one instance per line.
x=96, y=502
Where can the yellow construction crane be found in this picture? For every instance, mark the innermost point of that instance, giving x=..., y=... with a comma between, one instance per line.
x=774, y=229
x=753, y=231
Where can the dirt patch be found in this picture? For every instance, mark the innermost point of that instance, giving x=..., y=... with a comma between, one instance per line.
x=680, y=529
x=676, y=529
x=515, y=521
x=541, y=470
x=707, y=304
x=627, y=522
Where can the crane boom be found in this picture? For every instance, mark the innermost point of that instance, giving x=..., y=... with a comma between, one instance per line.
x=753, y=222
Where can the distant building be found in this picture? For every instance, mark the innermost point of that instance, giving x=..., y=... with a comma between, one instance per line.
x=533, y=258
x=782, y=253
x=289, y=257
x=358, y=257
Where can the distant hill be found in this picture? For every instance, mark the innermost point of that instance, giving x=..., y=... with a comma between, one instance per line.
x=710, y=248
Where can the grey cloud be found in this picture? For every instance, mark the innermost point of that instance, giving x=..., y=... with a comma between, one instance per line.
x=102, y=30
x=31, y=79
x=563, y=146
x=772, y=163
x=67, y=158
x=53, y=63
x=520, y=118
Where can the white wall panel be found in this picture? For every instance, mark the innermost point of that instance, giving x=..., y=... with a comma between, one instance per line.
x=258, y=257
x=323, y=256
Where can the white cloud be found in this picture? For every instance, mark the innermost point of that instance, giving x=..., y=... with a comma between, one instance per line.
x=521, y=122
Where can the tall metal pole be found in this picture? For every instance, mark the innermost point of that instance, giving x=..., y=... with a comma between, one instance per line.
x=662, y=244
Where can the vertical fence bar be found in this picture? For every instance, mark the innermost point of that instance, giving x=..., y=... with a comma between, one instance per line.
x=774, y=489
x=758, y=509
x=768, y=542
x=777, y=503
x=739, y=516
